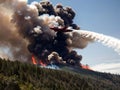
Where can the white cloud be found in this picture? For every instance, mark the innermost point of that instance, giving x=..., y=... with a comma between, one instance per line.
x=107, y=67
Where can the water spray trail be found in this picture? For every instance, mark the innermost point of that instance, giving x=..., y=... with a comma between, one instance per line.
x=104, y=39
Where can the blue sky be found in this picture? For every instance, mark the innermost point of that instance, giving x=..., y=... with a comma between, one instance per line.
x=101, y=16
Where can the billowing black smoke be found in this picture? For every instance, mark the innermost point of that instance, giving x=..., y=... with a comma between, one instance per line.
x=42, y=45
x=32, y=23
x=67, y=14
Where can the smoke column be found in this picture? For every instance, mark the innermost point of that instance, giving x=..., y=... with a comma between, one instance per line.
x=87, y=36
x=13, y=44
x=25, y=32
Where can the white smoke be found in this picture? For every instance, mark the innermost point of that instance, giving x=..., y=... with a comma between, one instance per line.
x=80, y=39
x=51, y=20
x=18, y=19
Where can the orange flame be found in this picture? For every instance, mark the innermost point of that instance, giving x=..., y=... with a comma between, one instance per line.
x=34, y=60
x=42, y=64
x=86, y=67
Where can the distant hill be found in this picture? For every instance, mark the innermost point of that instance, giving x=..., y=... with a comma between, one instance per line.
x=23, y=76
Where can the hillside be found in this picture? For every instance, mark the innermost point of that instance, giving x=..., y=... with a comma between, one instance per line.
x=23, y=76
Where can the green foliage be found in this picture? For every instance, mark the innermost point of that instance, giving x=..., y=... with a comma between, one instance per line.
x=22, y=76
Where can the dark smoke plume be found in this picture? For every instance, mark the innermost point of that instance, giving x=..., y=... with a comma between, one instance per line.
x=28, y=26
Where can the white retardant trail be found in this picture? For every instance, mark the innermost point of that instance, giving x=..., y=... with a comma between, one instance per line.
x=93, y=36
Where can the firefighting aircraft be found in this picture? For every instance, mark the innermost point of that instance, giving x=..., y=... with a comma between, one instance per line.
x=60, y=29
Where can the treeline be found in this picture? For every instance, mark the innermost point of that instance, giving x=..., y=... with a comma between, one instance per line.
x=23, y=76
x=111, y=78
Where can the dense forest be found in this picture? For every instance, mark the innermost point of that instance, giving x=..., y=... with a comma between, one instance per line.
x=15, y=75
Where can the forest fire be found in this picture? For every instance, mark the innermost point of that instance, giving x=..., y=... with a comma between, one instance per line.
x=42, y=64
x=35, y=62
x=85, y=67
x=34, y=29
x=50, y=45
